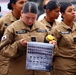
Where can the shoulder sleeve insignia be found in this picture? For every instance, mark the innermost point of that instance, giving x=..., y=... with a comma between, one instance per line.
x=4, y=38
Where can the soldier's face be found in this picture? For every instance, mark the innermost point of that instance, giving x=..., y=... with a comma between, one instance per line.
x=18, y=5
x=28, y=18
x=69, y=14
x=54, y=12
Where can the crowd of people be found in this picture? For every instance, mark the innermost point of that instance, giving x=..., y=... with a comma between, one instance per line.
x=20, y=25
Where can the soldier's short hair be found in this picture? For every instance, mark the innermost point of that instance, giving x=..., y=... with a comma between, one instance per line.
x=30, y=7
x=64, y=6
x=10, y=4
x=51, y=5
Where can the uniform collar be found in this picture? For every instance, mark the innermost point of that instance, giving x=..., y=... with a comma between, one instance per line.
x=34, y=27
x=69, y=28
x=12, y=18
x=48, y=24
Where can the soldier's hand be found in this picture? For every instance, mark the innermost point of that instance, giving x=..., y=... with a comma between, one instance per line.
x=52, y=42
x=23, y=42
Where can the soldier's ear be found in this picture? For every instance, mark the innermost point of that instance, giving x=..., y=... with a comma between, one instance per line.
x=13, y=5
x=48, y=11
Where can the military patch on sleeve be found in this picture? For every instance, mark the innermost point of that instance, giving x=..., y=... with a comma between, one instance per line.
x=4, y=38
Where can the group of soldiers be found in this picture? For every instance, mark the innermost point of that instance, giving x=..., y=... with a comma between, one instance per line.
x=20, y=24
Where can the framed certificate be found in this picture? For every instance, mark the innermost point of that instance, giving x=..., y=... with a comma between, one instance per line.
x=39, y=56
